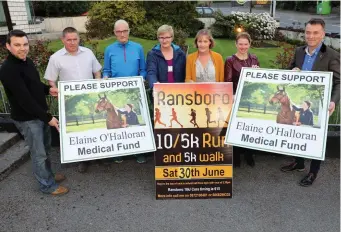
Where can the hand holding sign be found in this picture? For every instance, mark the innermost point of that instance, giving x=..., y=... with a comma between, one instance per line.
x=55, y=123
x=54, y=91
x=331, y=108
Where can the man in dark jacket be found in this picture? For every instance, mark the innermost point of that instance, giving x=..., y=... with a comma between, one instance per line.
x=316, y=56
x=26, y=95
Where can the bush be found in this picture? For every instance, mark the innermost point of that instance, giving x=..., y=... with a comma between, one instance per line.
x=179, y=14
x=295, y=42
x=180, y=37
x=279, y=36
x=194, y=26
x=223, y=27
x=147, y=30
x=284, y=57
x=103, y=15
x=259, y=26
x=60, y=8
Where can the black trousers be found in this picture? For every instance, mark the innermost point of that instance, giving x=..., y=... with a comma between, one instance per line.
x=237, y=151
x=314, y=165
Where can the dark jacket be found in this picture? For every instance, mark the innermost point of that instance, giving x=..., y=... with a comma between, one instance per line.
x=233, y=67
x=157, y=68
x=327, y=60
x=131, y=117
x=25, y=92
x=306, y=117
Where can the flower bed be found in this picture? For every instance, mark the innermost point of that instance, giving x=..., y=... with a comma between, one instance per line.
x=260, y=26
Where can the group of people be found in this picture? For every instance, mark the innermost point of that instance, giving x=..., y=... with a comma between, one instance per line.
x=165, y=63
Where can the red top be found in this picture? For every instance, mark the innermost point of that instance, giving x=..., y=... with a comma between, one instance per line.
x=233, y=66
x=170, y=71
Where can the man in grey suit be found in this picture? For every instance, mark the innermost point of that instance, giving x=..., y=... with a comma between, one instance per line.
x=316, y=56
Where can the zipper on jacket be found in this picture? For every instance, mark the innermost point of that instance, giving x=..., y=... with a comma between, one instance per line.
x=124, y=51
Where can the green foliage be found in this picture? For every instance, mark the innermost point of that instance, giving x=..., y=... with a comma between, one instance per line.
x=284, y=57
x=103, y=15
x=146, y=30
x=60, y=8
x=179, y=14
x=144, y=18
x=180, y=37
x=222, y=28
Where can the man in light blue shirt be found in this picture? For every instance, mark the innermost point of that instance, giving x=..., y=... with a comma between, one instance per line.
x=123, y=58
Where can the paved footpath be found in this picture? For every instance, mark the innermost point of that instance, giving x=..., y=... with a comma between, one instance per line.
x=121, y=197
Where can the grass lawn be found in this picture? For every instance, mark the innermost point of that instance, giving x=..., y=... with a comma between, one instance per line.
x=223, y=46
x=88, y=125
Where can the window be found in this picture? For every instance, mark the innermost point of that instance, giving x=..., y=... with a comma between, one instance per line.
x=2, y=15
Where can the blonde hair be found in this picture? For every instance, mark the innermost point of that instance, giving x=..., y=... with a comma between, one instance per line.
x=243, y=35
x=203, y=32
x=164, y=29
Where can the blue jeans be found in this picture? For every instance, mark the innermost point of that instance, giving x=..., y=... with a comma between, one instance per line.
x=37, y=135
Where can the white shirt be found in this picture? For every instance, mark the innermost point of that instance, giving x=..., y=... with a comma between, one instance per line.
x=72, y=67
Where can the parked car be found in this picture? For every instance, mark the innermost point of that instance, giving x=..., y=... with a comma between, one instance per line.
x=205, y=12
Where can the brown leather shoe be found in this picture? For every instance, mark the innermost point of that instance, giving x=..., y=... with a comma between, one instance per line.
x=58, y=177
x=60, y=191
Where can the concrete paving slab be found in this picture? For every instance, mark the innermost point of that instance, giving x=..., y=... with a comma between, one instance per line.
x=121, y=197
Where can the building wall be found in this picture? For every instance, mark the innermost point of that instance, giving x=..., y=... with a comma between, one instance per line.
x=20, y=15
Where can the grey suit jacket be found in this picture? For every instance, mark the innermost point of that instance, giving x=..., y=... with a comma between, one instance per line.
x=327, y=60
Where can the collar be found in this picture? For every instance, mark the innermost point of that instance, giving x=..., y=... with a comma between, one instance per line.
x=315, y=51
x=65, y=52
x=121, y=44
x=13, y=58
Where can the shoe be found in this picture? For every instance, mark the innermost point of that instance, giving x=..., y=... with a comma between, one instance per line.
x=249, y=160
x=60, y=191
x=141, y=159
x=82, y=167
x=292, y=167
x=58, y=177
x=118, y=160
x=308, y=180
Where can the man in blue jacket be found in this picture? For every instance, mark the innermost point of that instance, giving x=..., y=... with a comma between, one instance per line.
x=124, y=58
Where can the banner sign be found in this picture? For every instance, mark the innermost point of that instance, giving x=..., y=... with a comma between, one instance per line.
x=281, y=111
x=191, y=160
x=103, y=118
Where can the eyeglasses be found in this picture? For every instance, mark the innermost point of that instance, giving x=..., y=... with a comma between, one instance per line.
x=165, y=38
x=122, y=32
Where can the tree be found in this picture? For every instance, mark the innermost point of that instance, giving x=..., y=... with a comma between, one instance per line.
x=179, y=14
x=60, y=8
x=103, y=15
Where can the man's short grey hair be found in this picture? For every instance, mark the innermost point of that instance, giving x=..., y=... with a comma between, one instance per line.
x=164, y=29
x=121, y=21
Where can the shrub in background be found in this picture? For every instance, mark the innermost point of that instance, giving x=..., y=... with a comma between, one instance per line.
x=103, y=15
x=260, y=26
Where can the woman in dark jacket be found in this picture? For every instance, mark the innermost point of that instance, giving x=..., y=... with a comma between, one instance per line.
x=233, y=67
x=166, y=62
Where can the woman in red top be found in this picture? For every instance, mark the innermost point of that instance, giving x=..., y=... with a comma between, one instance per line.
x=232, y=69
